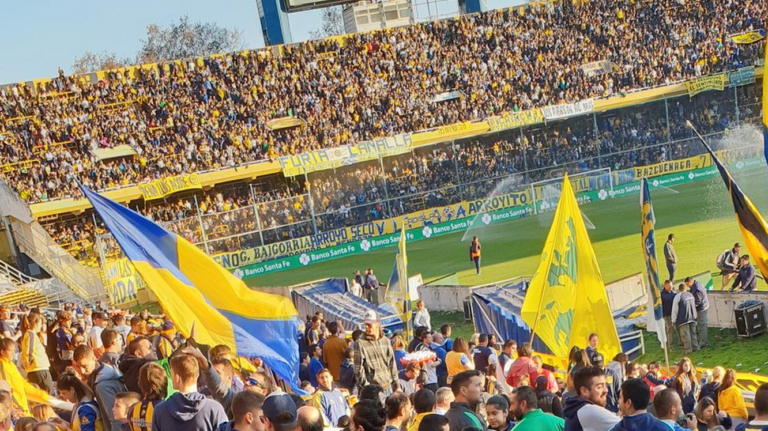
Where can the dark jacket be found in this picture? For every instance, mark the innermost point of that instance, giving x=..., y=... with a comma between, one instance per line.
x=667, y=298
x=700, y=296
x=686, y=309
x=188, y=412
x=710, y=390
x=613, y=381
x=746, y=278
x=460, y=416
x=641, y=422
x=549, y=403
x=580, y=413
x=481, y=355
x=347, y=375
x=130, y=366
x=219, y=390
x=106, y=382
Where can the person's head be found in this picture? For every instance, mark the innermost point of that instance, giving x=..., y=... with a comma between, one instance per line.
x=412, y=371
x=538, y=362
x=141, y=347
x=304, y=358
x=316, y=351
x=729, y=379
x=460, y=345
x=509, y=347
x=593, y=340
x=35, y=322
x=426, y=338
x=671, y=237
x=634, y=397
x=398, y=407
x=446, y=330
x=598, y=361
x=4, y=313
x=434, y=422
x=706, y=411
x=424, y=401
x=184, y=373
x=474, y=239
x=310, y=419
x=123, y=401
x=685, y=366
x=718, y=373
x=71, y=388
x=654, y=367
x=682, y=287
x=737, y=248
x=43, y=412
x=368, y=415
x=306, y=386
x=137, y=324
x=100, y=319
x=523, y=400
x=372, y=392
x=78, y=340
x=24, y=424
x=419, y=304
x=437, y=338
x=667, y=405
x=6, y=414
x=632, y=370
x=83, y=360
x=333, y=327
x=246, y=411
x=467, y=387
x=315, y=322
x=259, y=382
x=744, y=260
x=119, y=320
x=443, y=398
x=153, y=382
x=589, y=384
x=224, y=368
x=220, y=351
x=372, y=325
x=44, y=426
x=688, y=282
x=325, y=379
x=482, y=340
x=496, y=412
x=398, y=343
x=7, y=348
x=761, y=402
x=280, y=412
x=112, y=340
x=525, y=350
x=667, y=285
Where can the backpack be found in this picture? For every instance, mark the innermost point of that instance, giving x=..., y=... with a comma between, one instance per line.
x=721, y=258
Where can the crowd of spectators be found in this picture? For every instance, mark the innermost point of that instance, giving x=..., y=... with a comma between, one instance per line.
x=431, y=176
x=211, y=113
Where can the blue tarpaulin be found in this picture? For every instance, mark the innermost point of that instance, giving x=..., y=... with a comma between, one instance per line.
x=333, y=298
x=496, y=310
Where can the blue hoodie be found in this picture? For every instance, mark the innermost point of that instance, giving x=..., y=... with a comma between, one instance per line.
x=640, y=422
x=582, y=415
x=188, y=412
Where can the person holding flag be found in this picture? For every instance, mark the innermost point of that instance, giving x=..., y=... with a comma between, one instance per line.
x=474, y=253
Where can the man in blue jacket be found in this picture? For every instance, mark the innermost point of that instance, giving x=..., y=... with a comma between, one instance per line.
x=684, y=317
x=747, y=279
x=633, y=402
x=701, y=300
x=667, y=299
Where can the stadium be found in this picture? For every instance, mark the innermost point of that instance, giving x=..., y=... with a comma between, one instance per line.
x=383, y=215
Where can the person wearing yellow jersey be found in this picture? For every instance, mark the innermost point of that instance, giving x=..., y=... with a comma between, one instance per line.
x=21, y=390
x=87, y=416
x=138, y=328
x=153, y=384
x=458, y=359
x=34, y=357
x=423, y=404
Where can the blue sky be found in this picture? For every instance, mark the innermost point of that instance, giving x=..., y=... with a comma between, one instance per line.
x=38, y=36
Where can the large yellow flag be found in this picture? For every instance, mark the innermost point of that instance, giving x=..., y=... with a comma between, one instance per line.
x=566, y=300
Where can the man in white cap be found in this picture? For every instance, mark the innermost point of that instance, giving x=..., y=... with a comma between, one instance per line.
x=374, y=357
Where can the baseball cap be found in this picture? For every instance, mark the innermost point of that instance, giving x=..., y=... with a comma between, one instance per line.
x=597, y=360
x=281, y=411
x=370, y=317
x=100, y=315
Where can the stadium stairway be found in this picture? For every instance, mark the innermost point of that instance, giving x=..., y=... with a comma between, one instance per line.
x=18, y=288
x=34, y=241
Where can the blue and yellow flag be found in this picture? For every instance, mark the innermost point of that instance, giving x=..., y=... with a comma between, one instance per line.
x=397, y=289
x=655, y=313
x=748, y=37
x=752, y=225
x=765, y=109
x=566, y=300
x=193, y=289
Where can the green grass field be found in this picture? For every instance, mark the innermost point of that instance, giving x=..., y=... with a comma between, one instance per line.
x=700, y=214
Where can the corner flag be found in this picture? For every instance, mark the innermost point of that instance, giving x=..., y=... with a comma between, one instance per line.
x=655, y=313
x=566, y=300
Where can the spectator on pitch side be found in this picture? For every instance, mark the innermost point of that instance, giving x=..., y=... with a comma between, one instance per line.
x=684, y=317
x=670, y=256
x=746, y=281
x=523, y=404
x=371, y=287
x=701, y=301
x=421, y=316
x=586, y=411
x=728, y=263
x=374, y=358
x=667, y=302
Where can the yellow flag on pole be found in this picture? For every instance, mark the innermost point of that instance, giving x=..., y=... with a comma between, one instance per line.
x=566, y=300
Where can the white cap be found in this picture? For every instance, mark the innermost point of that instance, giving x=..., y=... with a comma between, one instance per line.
x=370, y=317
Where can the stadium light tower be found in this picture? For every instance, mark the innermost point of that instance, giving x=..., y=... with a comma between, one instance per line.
x=274, y=22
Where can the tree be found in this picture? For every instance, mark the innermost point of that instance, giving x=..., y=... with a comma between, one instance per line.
x=184, y=39
x=332, y=23
x=91, y=62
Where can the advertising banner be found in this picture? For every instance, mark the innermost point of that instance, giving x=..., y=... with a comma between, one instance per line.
x=159, y=189
x=743, y=76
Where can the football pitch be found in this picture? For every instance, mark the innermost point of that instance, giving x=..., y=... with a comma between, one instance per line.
x=700, y=214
